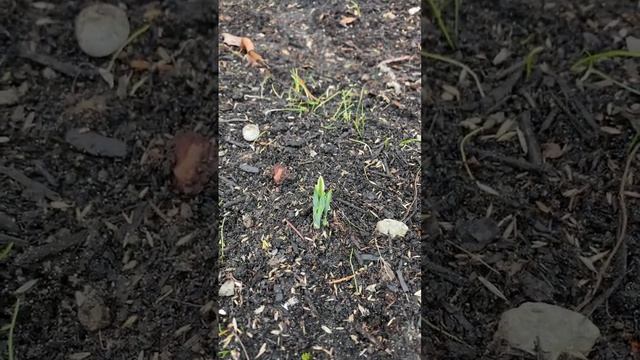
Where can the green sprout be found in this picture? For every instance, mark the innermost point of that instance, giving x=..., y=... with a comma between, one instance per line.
x=306, y=356
x=4, y=253
x=530, y=59
x=321, y=204
x=10, y=328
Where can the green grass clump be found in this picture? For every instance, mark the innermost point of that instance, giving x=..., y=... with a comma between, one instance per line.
x=351, y=112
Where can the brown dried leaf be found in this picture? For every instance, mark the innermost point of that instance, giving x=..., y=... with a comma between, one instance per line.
x=346, y=20
x=247, y=45
x=193, y=159
x=231, y=40
x=254, y=58
x=140, y=64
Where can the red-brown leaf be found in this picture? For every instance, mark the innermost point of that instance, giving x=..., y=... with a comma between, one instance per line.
x=194, y=157
x=279, y=173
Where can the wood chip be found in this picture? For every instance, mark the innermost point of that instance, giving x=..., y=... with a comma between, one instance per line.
x=346, y=20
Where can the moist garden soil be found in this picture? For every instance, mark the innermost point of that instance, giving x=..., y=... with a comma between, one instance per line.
x=293, y=285
x=527, y=228
x=108, y=261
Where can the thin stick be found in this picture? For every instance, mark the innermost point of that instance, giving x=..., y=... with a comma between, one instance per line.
x=451, y=336
x=474, y=257
x=415, y=196
x=622, y=228
x=459, y=64
x=14, y=316
x=341, y=280
x=396, y=59
x=294, y=229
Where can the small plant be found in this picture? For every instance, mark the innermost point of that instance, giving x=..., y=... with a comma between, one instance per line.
x=306, y=356
x=321, y=204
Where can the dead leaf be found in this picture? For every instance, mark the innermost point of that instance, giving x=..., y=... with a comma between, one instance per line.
x=346, y=20
x=162, y=67
x=139, y=64
x=488, y=189
x=279, y=173
x=247, y=45
x=254, y=58
x=231, y=40
x=494, y=289
x=193, y=162
x=543, y=207
x=551, y=151
x=506, y=126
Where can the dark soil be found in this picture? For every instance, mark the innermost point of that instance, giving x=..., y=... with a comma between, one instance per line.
x=104, y=235
x=544, y=216
x=283, y=302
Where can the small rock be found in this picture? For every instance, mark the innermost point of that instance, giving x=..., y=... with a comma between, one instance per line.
x=9, y=96
x=558, y=330
x=48, y=73
x=633, y=43
x=392, y=228
x=483, y=230
x=93, y=314
x=477, y=233
x=250, y=132
x=96, y=144
x=249, y=168
x=101, y=29
x=247, y=221
x=227, y=288
x=103, y=175
x=185, y=211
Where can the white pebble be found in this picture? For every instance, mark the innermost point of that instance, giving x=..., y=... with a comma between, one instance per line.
x=101, y=29
x=250, y=132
